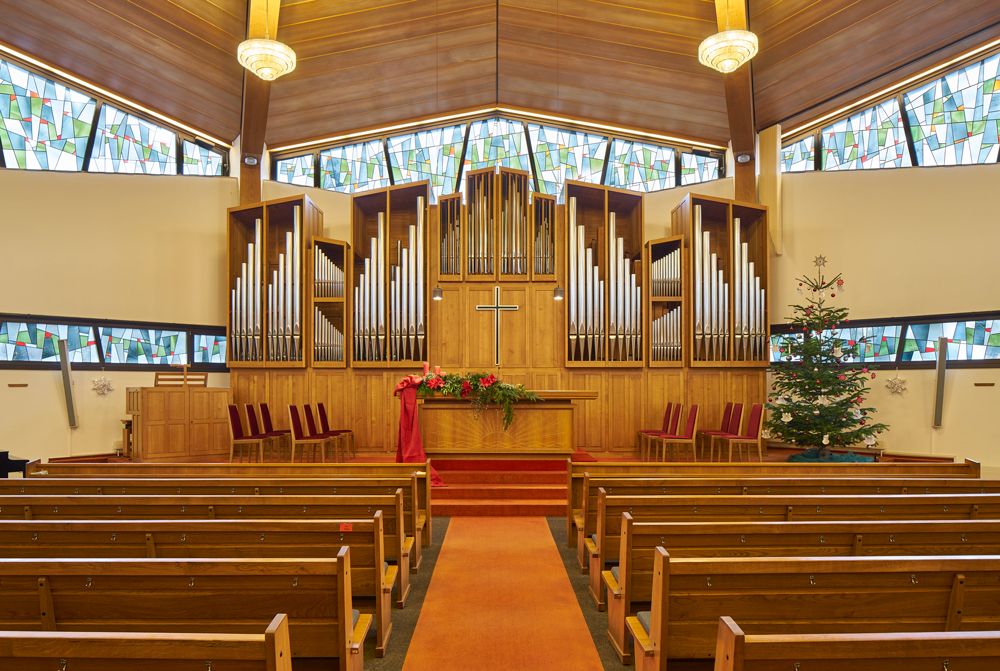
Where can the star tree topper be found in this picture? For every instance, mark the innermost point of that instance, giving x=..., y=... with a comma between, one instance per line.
x=103, y=386
x=820, y=261
x=896, y=385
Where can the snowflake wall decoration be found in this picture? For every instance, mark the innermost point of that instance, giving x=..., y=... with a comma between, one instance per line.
x=103, y=386
x=896, y=385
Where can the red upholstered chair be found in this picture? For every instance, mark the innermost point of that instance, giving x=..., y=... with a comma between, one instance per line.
x=265, y=418
x=328, y=438
x=298, y=434
x=751, y=437
x=238, y=437
x=687, y=438
x=270, y=438
x=346, y=435
x=645, y=433
x=731, y=419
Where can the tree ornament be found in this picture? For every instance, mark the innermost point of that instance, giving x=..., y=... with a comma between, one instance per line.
x=766, y=434
x=837, y=352
x=870, y=440
x=856, y=413
x=820, y=261
x=786, y=417
x=826, y=439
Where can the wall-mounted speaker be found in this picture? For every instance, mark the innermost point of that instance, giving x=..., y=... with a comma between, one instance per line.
x=67, y=380
x=942, y=365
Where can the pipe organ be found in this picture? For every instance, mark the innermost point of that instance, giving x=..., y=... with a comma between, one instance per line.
x=406, y=296
x=369, y=302
x=749, y=304
x=328, y=339
x=544, y=216
x=711, y=297
x=244, y=312
x=328, y=278
x=667, y=337
x=665, y=274
x=480, y=220
x=513, y=233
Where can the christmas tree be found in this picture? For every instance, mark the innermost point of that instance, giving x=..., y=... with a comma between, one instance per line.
x=818, y=399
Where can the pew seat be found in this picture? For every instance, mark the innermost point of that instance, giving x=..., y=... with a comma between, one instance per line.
x=119, y=651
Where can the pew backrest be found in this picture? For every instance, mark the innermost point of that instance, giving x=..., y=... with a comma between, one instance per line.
x=119, y=651
x=236, y=596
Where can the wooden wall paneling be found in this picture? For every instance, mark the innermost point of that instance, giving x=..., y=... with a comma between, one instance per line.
x=372, y=411
x=661, y=387
x=166, y=422
x=546, y=328
x=624, y=404
x=334, y=388
x=591, y=416
x=250, y=386
x=208, y=430
x=707, y=389
x=516, y=337
x=542, y=379
x=480, y=353
x=287, y=387
x=447, y=317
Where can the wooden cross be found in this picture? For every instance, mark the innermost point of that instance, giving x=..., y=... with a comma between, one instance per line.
x=496, y=308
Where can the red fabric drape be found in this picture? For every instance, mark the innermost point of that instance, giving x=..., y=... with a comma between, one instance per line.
x=409, y=448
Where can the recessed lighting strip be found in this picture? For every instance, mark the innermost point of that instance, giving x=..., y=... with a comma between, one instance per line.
x=493, y=110
x=894, y=87
x=109, y=94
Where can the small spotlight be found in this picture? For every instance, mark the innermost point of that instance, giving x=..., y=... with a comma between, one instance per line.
x=743, y=158
x=437, y=294
x=250, y=160
x=557, y=294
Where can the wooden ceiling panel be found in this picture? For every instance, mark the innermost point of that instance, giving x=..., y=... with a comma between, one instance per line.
x=814, y=52
x=174, y=58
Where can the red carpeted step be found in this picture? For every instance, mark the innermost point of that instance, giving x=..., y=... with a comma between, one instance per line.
x=453, y=491
x=555, y=465
x=502, y=477
x=498, y=508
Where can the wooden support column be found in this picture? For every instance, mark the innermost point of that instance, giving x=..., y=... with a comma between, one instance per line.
x=262, y=20
x=769, y=181
x=739, y=105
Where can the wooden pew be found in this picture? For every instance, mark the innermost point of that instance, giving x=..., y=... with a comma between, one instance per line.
x=631, y=582
x=372, y=581
x=966, y=650
x=789, y=595
x=575, y=471
x=770, y=508
x=36, y=469
x=232, y=596
x=118, y=651
x=412, y=486
x=153, y=507
x=586, y=521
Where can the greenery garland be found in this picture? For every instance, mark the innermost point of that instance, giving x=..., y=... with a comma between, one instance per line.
x=482, y=389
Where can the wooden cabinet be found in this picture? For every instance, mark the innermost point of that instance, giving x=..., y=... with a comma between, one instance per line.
x=182, y=423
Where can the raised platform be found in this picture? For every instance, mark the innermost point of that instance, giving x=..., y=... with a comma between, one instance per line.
x=500, y=487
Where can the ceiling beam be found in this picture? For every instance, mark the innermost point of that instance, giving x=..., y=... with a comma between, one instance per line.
x=262, y=21
x=732, y=15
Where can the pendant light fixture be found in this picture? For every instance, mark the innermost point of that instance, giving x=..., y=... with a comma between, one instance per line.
x=266, y=58
x=728, y=50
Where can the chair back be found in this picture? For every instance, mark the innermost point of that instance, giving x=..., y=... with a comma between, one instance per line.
x=676, y=419
x=666, y=418
x=734, y=420
x=323, y=422
x=726, y=414
x=296, y=423
x=753, y=424
x=235, y=424
x=252, y=426
x=692, y=423
x=309, y=420
x=265, y=417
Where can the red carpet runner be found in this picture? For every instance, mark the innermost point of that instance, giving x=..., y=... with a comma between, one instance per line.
x=500, y=599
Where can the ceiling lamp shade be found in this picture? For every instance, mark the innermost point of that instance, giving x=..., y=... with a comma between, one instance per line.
x=728, y=50
x=268, y=59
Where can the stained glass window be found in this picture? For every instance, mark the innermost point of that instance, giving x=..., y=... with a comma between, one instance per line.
x=870, y=343
x=640, y=167
x=21, y=341
x=565, y=154
x=45, y=125
x=967, y=341
x=209, y=348
x=125, y=143
x=955, y=120
x=695, y=168
x=201, y=161
x=799, y=156
x=873, y=138
x=144, y=346
x=781, y=341
x=354, y=168
x=428, y=154
x=296, y=170
x=496, y=141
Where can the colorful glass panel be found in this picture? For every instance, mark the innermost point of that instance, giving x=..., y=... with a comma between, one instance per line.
x=124, y=143
x=799, y=156
x=565, y=154
x=967, y=340
x=868, y=343
x=955, y=120
x=428, y=154
x=354, y=168
x=296, y=170
x=209, y=348
x=695, y=168
x=872, y=138
x=781, y=342
x=46, y=125
x=20, y=341
x=143, y=346
x=640, y=167
x=201, y=161
x=496, y=141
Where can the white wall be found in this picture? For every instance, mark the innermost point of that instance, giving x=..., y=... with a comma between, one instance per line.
x=336, y=206
x=131, y=247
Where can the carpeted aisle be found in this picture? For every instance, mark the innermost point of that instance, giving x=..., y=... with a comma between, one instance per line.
x=500, y=599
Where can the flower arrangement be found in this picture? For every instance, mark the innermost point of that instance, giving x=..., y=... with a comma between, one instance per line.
x=482, y=389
